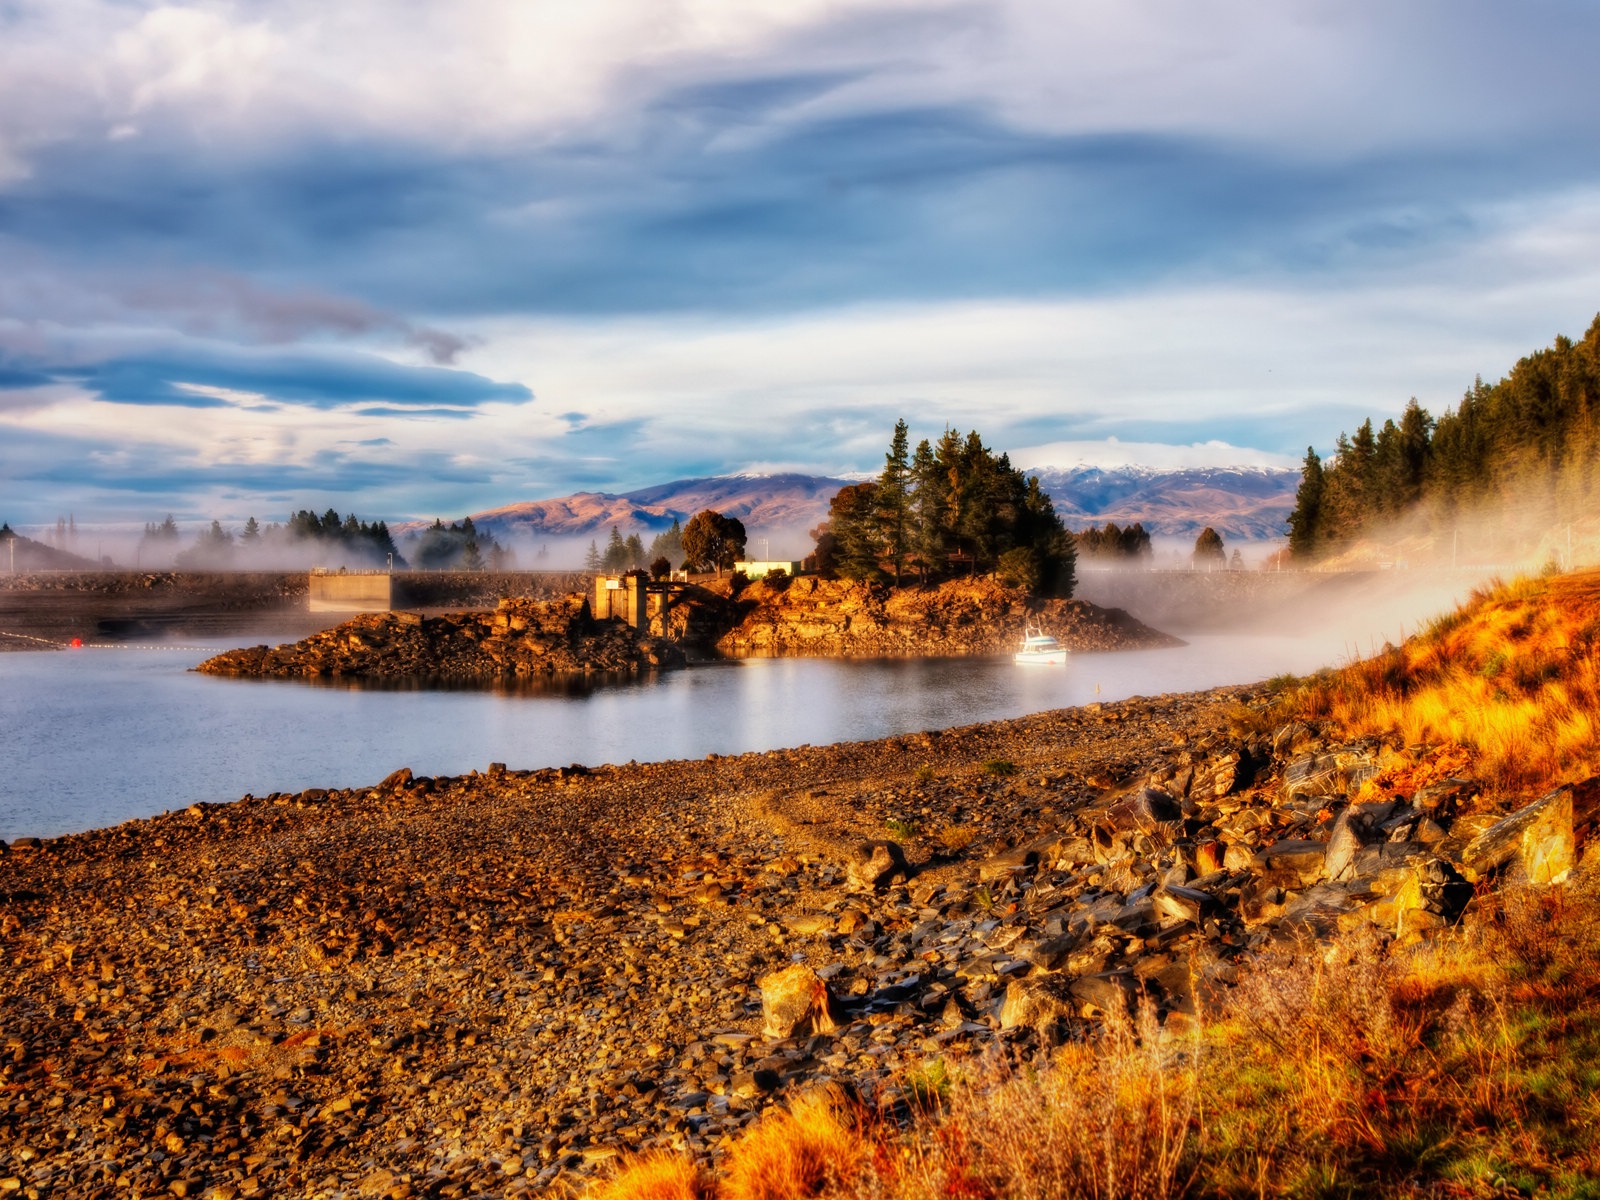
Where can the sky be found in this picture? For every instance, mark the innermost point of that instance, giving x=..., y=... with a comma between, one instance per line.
x=425, y=259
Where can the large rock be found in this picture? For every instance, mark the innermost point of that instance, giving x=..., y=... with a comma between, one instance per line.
x=1292, y=863
x=1039, y=1002
x=875, y=864
x=1538, y=839
x=1334, y=773
x=796, y=1002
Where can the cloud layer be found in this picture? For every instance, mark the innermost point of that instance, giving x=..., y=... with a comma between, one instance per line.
x=491, y=251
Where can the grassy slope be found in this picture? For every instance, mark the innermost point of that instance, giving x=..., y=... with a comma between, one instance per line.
x=1467, y=1066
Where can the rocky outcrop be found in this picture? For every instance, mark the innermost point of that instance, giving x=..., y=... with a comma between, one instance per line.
x=811, y=616
x=520, y=639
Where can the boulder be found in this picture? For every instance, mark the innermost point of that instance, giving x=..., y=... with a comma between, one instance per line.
x=796, y=1002
x=874, y=864
x=1538, y=839
x=1143, y=811
x=1039, y=1002
x=1291, y=863
x=1334, y=773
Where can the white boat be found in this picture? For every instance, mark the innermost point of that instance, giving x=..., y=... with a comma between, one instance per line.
x=1039, y=648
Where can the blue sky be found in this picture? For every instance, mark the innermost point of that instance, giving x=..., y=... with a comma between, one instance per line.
x=425, y=260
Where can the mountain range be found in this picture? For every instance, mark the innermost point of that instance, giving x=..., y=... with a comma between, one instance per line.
x=1240, y=503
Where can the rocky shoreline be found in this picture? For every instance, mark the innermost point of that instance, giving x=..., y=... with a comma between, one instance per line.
x=519, y=639
x=487, y=984
x=524, y=637
x=838, y=618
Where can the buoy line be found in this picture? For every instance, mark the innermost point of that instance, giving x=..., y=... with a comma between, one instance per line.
x=28, y=637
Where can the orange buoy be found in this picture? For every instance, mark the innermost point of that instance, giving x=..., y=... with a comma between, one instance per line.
x=77, y=643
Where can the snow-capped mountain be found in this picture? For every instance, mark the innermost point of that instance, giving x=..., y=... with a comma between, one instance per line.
x=1241, y=503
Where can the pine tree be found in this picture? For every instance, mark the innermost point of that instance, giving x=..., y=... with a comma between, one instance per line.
x=592, y=562
x=894, y=500
x=1306, y=518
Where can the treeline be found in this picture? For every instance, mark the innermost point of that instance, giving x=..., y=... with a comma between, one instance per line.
x=950, y=507
x=1528, y=443
x=1115, y=544
x=630, y=553
x=342, y=540
x=329, y=540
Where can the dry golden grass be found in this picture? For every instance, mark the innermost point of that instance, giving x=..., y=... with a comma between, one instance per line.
x=809, y=1149
x=1513, y=677
x=658, y=1176
x=1107, y=1119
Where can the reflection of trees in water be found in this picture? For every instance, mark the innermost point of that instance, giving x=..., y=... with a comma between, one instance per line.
x=568, y=686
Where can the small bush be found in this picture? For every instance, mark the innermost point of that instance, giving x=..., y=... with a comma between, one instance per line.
x=925, y=774
x=956, y=837
x=901, y=828
x=999, y=767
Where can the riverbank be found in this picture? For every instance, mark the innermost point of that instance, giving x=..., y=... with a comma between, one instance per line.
x=479, y=985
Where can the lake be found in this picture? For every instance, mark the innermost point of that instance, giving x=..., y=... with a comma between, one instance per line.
x=93, y=737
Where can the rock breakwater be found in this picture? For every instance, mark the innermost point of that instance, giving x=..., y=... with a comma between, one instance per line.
x=519, y=639
x=485, y=984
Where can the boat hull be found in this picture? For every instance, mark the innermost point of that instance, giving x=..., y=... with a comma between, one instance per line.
x=1040, y=658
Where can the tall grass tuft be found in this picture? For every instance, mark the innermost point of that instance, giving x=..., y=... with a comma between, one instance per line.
x=809, y=1149
x=660, y=1175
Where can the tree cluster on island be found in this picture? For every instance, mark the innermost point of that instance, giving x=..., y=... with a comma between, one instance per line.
x=710, y=541
x=1529, y=443
x=951, y=507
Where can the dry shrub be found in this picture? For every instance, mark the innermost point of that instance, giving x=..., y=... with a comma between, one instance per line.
x=1107, y=1118
x=956, y=837
x=806, y=1150
x=661, y=1175
x=1341, y=1033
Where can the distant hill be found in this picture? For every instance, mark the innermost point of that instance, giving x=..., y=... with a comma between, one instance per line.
x=30, y=555
x=1241, y=503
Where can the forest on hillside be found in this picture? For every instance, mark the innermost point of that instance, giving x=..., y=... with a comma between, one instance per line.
x=1525, y=446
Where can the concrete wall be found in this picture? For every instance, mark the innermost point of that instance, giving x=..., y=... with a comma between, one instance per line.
x=351, y=592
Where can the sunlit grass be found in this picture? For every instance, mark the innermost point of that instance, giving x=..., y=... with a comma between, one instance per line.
x=1513, y=676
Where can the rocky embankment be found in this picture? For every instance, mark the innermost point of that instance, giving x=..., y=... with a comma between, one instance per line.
x=521, y=638
x=810, y=616
x=486, y=984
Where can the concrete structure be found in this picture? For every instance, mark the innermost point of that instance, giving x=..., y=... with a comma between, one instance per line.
x=634, y=598
x=351, y=591
x=755, y=570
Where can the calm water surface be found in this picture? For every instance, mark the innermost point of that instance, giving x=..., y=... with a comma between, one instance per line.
x=89, y=738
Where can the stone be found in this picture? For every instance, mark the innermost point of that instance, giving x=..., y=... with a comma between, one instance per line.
x=796, y=1003
x=1039, y=1002
x=1292, y=863
x=1538, y=838
x=1333, y=773
x=1182, y=903
x=1105, y=994
x=874, y=864
x=1141, y=811
x=1444, y=797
